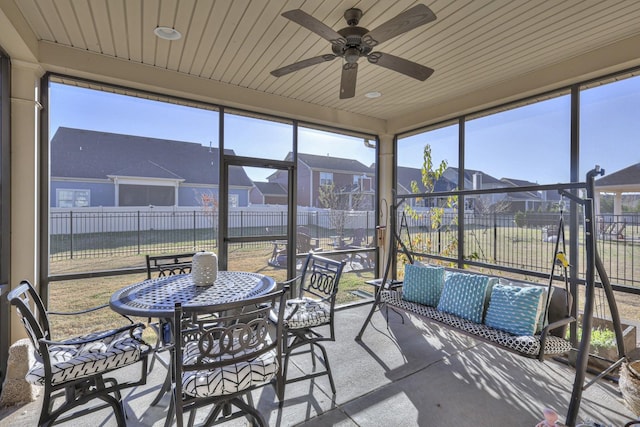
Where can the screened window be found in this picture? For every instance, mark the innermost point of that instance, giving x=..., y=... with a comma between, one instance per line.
x=146, y=195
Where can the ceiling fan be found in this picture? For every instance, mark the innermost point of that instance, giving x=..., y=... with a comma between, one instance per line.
x=354, y=42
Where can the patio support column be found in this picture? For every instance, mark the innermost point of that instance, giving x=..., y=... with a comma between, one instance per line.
x=385, y=178
x=617, y=205
x=25, y=110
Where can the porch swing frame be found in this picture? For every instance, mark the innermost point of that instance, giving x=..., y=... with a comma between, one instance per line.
x=593, y=264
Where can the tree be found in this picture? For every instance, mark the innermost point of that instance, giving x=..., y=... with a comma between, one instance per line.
x=339, y=204
x=429, y=178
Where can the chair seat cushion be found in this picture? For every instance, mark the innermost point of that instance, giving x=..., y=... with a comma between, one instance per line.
x=528, y=345
x=227, y=379
x=307, y=313
x=72, y=361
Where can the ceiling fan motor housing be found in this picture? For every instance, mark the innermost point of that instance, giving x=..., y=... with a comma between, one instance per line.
x=353, y=44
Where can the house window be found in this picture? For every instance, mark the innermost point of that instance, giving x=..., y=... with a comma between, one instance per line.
x=233, y=200
x=363, y=182
x=73, y=198
x=326, y=178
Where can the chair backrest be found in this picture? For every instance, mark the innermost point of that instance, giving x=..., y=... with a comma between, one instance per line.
x=303, y=243
x=169, y=265
x=31, y=312
x=239, y=333
x=320, y=277
x=360, y=237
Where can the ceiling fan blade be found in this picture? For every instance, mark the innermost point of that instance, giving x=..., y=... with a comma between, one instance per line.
x=407, y=20
x=400, y=65
x=312, y=24
x=348, y=80
x=302, y=64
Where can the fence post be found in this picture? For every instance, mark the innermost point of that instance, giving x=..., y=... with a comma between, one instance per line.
x=71, y=234
x=138, y=233
x=495, y=236
x=242, y=227
x=194, y=230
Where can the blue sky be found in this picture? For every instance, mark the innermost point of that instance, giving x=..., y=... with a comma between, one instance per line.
x=529, y=143
x=89, y=109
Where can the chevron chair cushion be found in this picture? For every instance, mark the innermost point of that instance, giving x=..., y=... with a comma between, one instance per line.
x=72, y=361
x=306, y=313
x=227, y=379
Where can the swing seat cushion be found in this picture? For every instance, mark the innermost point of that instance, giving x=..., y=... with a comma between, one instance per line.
x=515, y=309
x=527, y=345
x=423, y=284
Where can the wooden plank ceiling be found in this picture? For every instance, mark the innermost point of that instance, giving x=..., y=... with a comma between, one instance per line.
x=473, y=44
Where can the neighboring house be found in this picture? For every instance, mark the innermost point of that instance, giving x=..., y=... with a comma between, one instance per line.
x=523, y=200
x=477, y=180
x=268, y=193
x=625, y=180
x=474, y=180
x=407, y=175
x=91, y=168
x=353, y=181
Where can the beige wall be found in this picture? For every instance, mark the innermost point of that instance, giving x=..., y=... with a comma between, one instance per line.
x=25, y=109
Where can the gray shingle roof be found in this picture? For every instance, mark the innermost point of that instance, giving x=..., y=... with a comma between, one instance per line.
x=80, y=153
x=626, y=176
x=468, y=175
x=406, y=175
x=270, y=188
x=336, y=164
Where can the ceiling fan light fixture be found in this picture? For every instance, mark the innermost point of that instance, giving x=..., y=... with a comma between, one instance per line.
x=352, y=55
x=167, y=33
x=373, y=94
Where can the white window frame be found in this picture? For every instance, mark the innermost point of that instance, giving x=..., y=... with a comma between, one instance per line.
x=326, y=178
x=234, y=200
x=74, y=199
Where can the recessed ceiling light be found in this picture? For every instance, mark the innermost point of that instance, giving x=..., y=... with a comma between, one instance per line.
x=374, y=94
x=167, y=33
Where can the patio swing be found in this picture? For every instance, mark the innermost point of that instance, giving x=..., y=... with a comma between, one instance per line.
x=593, y=263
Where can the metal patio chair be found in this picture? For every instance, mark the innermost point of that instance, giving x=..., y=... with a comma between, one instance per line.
x=75, y=369
x=219, y=364
x=313, y=307
x=165, y=265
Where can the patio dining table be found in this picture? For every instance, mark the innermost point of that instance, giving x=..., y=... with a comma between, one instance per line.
x=157, y=298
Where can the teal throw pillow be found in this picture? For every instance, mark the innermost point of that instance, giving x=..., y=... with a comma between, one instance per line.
x=543, y=318
x=423, y=284
x=515, y=309
x=464, y=295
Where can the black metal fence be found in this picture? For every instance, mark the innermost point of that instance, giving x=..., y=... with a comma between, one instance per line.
x=525, y=242
x=96, y=233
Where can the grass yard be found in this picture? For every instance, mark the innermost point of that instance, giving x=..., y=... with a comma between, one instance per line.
x=516, y=247
x=77, y=295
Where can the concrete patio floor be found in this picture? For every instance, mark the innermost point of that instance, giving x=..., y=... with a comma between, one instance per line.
x=412, y=374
